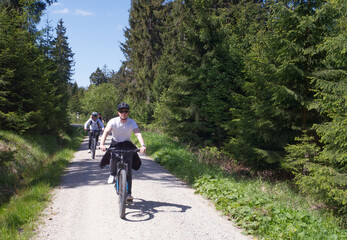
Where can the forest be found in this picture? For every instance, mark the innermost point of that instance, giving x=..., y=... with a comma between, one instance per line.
x=262, y=81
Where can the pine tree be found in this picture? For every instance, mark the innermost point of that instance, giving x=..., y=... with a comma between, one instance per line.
x=46, y=39
x=20, y=77
x=98, y=77
x=325, y=175
x=142, y=50
x=197, y=72
x=32, y=10
x=75, y=99
x=62, y=57
x=277, y=99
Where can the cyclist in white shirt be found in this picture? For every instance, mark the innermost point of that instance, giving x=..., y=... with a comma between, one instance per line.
x=121, y=127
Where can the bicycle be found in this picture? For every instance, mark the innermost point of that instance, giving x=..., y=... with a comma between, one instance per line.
x=95, y=134
x=122, y=183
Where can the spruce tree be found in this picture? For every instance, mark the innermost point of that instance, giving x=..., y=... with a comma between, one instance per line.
x=62, y=57
x=142, y=49
x=199, y=84
x=20, y=73
x=98, y=77
x=325, y=175
x=277, y=100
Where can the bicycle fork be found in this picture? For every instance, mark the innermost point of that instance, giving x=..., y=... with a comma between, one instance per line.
x=121, y=166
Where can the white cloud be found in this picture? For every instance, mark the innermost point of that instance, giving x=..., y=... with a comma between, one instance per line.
x=82, y=12
x=62, y=11
x=56, y=4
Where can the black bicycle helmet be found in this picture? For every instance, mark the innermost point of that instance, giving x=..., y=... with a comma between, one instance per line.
x=95, y=114
x=123, y=105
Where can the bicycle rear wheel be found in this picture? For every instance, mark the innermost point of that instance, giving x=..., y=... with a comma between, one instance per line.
x=122, y=184
x=93, y=147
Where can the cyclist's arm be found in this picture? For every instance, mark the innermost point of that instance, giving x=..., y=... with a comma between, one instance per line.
x=86, y=124
x=140, y=138
x=104, y=136
x=101, y=124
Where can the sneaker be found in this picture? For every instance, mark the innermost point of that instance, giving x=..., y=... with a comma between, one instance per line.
x=89, y=151
x=130, y=199
x=110, y=179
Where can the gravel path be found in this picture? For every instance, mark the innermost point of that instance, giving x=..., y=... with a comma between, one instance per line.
x=84, y=206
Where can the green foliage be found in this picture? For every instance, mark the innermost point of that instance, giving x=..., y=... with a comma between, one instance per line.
x=33, y=76
x=331, y=98
x=316, y=175
x=139, y=111
x=300, y=155
x=19, y=67
x=271, y=211
x=325, y=173
x=263, y=209
x=30, y=166
x=62, y=57
x=98, y=77
x=275, y=103
x=248, y=77
x=102, y=98
x=142, y=49
x=196, y=74
x=75, y=99
x=173, y=156
x=19, y=213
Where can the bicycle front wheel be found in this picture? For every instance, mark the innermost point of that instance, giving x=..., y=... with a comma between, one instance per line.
x=122, y=184
x=93, y=148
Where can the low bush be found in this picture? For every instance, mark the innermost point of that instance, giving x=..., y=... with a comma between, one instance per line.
x=269, y=210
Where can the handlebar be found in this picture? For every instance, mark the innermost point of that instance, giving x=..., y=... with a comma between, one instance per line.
x=123, y=150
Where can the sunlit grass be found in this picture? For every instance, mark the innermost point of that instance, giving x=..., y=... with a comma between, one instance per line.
x=264, y=209
x=38, y=162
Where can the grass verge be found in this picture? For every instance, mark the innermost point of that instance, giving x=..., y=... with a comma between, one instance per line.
x=30, y=166
x=263, y=209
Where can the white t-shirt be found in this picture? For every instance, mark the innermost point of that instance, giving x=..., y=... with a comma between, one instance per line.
x=121, y=132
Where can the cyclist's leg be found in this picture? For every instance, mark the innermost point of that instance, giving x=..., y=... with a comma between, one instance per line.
x=130, y=173
x=90, y=134
x=97, y=136
x=113, y=164
x=113, y=168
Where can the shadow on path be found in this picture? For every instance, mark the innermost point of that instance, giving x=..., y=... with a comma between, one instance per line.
x=152, y=171
x=142, y=210
x=84, y=170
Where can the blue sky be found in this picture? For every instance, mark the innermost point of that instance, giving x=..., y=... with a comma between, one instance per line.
x=94, y=30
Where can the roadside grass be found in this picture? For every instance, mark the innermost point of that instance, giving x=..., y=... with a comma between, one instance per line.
x=264, y=209
x=30, y=167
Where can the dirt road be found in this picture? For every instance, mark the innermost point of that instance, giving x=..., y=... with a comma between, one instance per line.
x=84, y=206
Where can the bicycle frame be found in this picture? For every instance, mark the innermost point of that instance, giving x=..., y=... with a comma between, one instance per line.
x=122, y=183
x=121, y=165
x=94, y=134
